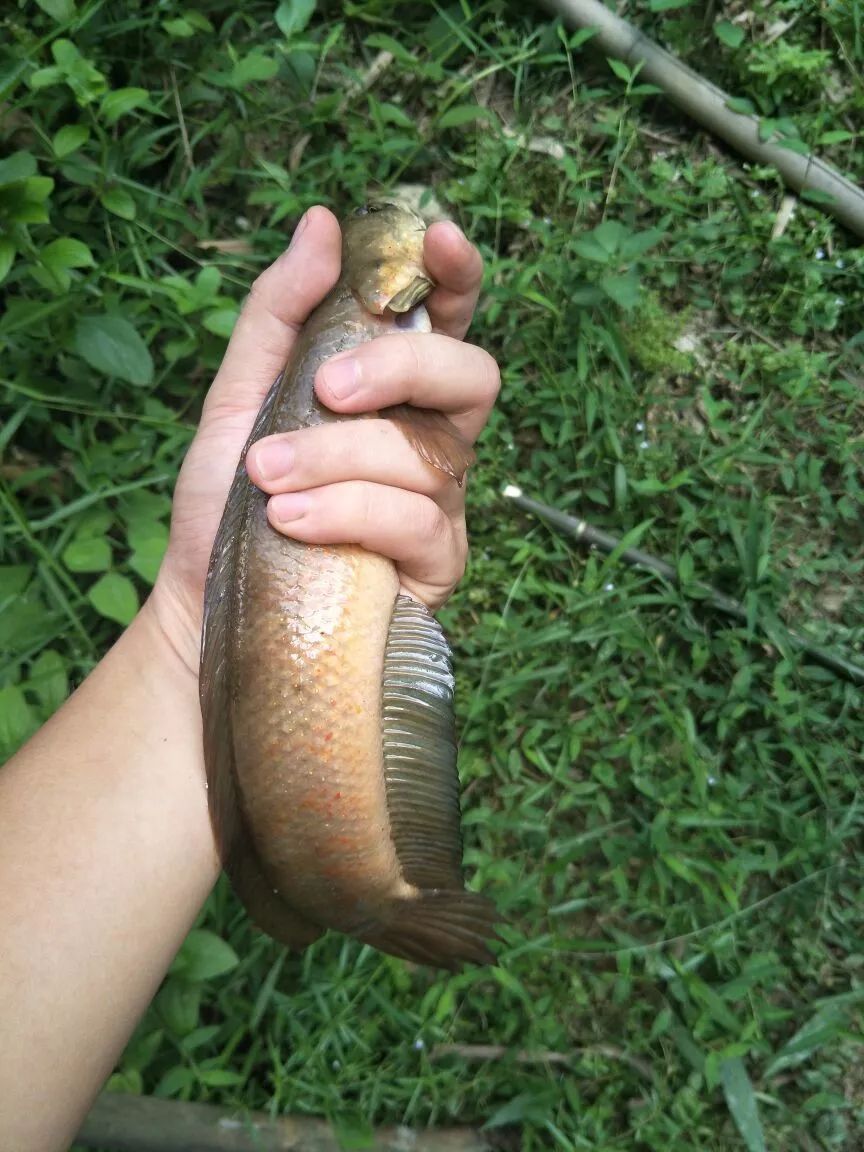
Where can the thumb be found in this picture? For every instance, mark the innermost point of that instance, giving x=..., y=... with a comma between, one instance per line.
x=277, y=305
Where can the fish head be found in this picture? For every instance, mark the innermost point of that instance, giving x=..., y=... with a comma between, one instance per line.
x=382, y=257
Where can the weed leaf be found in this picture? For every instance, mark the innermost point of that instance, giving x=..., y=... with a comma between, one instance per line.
x=114, y=597
x=113, y=347
x=292, y=16
x=741, y=1101
x=204, y=955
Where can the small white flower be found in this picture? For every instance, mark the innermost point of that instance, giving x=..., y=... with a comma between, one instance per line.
x=610, y=587
x=712, y=780
x=644, y=444
x=336, y=1065
x=419, y=1044
x=839, y=301
x=640, y=427
x=820, y=253
x=839, y=263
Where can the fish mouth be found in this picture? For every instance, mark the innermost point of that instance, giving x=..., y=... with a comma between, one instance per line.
x=408, y=297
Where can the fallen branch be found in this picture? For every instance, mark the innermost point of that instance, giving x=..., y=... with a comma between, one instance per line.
x=119, y=1123
x=585, y=533
x=484, y=1052
x=709, y=105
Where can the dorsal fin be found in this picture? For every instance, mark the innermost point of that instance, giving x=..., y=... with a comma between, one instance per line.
x=217, y=640
x=233, y=842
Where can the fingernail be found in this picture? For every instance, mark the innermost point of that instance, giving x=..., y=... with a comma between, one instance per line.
x=274, y=460
x=299, y=230
x=342, y=377
x=288, y=507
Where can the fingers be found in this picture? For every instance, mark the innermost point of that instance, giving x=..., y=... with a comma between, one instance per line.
x=371, y=450
x=457, y=269
x=410, y=529
x=284, y=295
x=427, y=370
x=277, y=305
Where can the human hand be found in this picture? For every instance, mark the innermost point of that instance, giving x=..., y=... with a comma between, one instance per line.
x=354, y=482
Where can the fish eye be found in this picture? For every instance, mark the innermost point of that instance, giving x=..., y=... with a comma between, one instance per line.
x=362, y=211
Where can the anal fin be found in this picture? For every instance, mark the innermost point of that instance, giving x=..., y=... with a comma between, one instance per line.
x=440, y=923
x=419, y=748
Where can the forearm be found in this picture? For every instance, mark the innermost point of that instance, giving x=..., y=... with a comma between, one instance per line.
x=106, y=856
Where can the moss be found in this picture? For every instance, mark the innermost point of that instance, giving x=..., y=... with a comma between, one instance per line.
x=651, y=335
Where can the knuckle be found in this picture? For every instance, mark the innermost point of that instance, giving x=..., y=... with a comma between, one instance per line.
x=489, y=381
x=259, y=289
x=437, y=481
x=252, y=306
x=262, y=301
x=410, y=356
x=255, y=296
x=432, y=524
x=365, y=506
x=460, y=551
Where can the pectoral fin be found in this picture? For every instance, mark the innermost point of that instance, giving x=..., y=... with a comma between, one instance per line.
x=435, y=438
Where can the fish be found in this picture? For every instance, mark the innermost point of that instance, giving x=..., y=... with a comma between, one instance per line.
x=326, y=692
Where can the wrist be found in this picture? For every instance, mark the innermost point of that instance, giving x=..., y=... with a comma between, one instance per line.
x=174, y=624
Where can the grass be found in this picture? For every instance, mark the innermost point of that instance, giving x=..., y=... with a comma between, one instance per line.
x=668, y=812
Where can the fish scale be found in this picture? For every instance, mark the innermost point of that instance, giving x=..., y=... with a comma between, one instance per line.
x=317, y=620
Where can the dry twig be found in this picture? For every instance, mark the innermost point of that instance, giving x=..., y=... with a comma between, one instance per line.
x=586, y=533
x=120, y=1123
x=480, y=1052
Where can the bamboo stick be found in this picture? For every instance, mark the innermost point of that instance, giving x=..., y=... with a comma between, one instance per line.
x=587, y=534
x=119, y=1123
x=709, y=105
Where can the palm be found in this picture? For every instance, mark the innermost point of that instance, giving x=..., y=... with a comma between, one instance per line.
x=202, y=489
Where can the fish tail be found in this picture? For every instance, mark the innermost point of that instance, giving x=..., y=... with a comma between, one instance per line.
x=441, y=928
